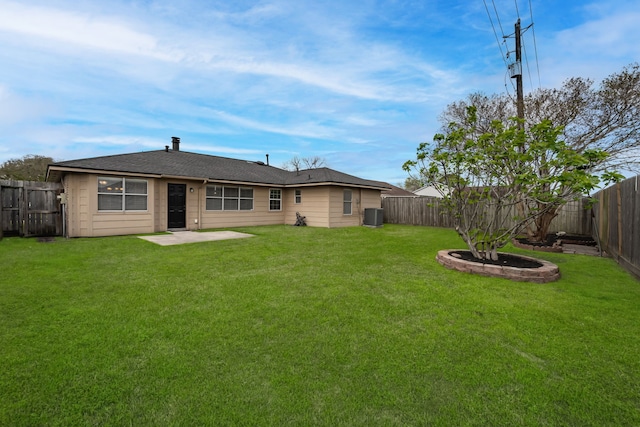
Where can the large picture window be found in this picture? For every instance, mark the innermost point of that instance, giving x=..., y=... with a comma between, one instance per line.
x=223, y=198
x=275, y=200
x=122, y=194
x=346, y=202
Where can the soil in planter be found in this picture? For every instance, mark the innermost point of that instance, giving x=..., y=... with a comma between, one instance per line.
x=504, y=260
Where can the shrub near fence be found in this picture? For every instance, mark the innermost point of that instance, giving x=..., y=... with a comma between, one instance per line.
x=573, y=218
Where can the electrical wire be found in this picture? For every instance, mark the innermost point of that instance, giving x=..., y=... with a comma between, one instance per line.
x=526, y=60
x=494, y=32
x=535, y=45
x=497, y=16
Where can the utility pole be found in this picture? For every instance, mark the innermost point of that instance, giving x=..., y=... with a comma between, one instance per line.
x=516, y=72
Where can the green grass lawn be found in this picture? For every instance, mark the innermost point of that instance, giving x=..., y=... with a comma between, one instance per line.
x=309, y=326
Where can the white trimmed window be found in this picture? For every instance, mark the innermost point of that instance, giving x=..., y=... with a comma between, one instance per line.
x=223, y=198
x=347, y=196
x=122, y=194
x=275, y=200
x=298, y=196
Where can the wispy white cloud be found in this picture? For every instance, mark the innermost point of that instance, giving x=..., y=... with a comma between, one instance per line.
x=62, y=26
x=614, y=35
x=218, y=149
x=116, y=36
x=118, y=140
x=15, y=109
x=307, y=130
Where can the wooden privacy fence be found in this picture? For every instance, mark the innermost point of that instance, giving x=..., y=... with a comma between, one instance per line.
x=617, y=218
x=29, y=208
x=573, y=218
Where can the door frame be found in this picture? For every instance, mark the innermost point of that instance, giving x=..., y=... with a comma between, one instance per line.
x=182, y=208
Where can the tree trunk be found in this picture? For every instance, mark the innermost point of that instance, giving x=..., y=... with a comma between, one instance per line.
x=542, y=224
x=472, y=247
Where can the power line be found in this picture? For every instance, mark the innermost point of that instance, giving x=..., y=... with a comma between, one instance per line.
x=535, y=45
x=494, y=31
x=526, y=59
x=497, y=16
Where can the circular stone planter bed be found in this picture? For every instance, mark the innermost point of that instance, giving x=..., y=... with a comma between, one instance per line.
x=509, y=266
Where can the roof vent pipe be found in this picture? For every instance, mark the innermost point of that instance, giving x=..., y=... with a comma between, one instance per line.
x=175, y=142
x=166, y=148
x=267, y=160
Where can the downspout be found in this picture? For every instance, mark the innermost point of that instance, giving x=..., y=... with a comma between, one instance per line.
x=204, y=183
x=360, y=210
x=63, y=206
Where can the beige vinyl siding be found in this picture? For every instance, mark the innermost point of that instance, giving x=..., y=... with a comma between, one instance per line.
x=78, y=216
x=321, y=205
x=360, y=199
x=371, y=199
x=313, y=206
x=336, y=216
x=161, y=205
x=72, y=212
x=260, y=215
x=84, y=219
x=118, y=223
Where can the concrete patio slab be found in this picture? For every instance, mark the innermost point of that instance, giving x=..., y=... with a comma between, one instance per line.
x=182, y=237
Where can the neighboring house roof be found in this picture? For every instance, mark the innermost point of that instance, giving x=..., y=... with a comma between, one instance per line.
x=183, y=164
x=427, y=190
x=395, y=191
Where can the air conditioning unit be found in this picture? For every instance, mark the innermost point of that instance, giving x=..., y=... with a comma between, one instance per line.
x=373, y=217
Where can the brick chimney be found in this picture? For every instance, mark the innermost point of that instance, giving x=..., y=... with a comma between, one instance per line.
x=175, y=143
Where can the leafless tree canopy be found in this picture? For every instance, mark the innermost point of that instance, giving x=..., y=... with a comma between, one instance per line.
x=297, y=163
x=606, y=116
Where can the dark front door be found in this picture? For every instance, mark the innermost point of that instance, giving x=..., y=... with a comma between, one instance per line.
x=177, y=206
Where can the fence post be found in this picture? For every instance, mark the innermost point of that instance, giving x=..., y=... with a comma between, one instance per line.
x=619, y=216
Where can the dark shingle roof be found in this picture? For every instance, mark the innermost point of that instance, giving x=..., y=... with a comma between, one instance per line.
x=395, y=191
x=202, y=166
x=326, y=175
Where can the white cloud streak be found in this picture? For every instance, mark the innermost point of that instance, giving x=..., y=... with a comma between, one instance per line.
x=112, y=35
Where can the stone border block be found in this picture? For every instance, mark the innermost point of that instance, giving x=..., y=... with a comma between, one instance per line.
x=547, y=272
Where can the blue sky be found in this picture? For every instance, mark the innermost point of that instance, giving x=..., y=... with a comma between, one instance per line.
x=359, y=83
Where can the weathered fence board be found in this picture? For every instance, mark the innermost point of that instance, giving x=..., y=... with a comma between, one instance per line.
x=573, y=218
x=618, y=223
x=29, y=208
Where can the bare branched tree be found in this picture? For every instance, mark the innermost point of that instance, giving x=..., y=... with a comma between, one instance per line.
x=606, y=117
x=297, y=163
